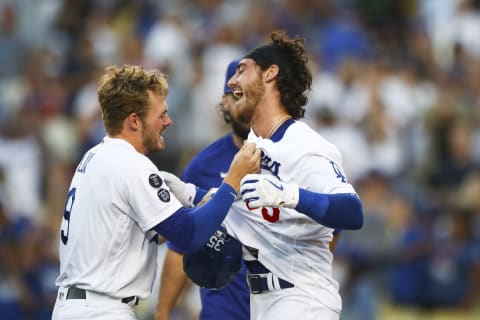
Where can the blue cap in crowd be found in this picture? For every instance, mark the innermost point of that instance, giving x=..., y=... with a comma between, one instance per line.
x=232, y=68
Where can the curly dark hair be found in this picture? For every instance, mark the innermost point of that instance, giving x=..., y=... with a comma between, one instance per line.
x=294, y=77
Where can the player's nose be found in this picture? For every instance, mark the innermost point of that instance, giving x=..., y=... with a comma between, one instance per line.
x=167, y=120
x=232, y=82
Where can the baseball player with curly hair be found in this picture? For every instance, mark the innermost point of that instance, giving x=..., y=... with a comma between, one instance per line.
x=119, y=204
x=301, y=195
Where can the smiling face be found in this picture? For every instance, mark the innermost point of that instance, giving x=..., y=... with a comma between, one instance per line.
x=239, y=128
x=154, y=124
x=248, y=87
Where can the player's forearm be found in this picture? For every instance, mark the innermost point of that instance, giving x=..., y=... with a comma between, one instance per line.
x=188, y=228
x=343, y=210
x=334, y=241
x=171, y=285
x=210, y=215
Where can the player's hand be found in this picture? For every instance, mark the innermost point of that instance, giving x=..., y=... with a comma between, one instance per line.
x=184, y=192
x=247, y=160
x=262, y=190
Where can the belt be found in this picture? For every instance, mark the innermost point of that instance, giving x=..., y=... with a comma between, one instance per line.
x=77, y=293
x=260, y=279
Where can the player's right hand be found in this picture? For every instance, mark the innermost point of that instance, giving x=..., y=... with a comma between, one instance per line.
x=262, y=190
x=247, y=160
x=184, y=192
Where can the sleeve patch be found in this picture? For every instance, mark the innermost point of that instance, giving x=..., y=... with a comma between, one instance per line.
x=155, y=181
x=163, y=195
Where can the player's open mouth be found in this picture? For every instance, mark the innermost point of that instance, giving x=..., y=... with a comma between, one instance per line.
x=238, y=94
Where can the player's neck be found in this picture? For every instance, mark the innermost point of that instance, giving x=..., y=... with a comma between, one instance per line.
x=269, y=115
x=237, y=141
x=132, y=139
x=267, y=126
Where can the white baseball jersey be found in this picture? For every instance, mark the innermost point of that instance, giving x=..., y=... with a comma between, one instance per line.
x=115, y=198
x=290, y=244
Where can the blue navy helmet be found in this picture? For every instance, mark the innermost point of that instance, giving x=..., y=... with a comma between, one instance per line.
x=231, y=69
x=216, y=263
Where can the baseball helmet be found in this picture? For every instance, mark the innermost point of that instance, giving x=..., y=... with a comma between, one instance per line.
x=231, y=69
x=215, y=263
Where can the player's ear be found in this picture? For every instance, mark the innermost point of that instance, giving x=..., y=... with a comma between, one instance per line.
x=133, y=121
x=271, y=73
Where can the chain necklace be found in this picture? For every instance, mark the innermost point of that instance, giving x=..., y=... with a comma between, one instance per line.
x=279, y=123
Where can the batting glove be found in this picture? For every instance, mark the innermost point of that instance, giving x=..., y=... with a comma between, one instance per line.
x=183, y=191
x=261, y=190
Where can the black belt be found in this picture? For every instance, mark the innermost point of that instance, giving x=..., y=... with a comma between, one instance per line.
x=260, y=279
x=77, y=293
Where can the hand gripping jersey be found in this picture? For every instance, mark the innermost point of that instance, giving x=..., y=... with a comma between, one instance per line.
x=290, y=244
x=207, y=170
x=115, y=198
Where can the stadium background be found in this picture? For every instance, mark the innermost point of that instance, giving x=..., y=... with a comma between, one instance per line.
x=396, y=87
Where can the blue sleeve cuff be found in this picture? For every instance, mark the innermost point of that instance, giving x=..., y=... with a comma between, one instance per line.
x=338, y=211
x=173, y=247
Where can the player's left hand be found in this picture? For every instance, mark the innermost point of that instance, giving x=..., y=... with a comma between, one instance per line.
x=262, y=190
x=185, y=192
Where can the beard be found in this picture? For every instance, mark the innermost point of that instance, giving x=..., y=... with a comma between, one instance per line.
x=239, y=128
x=251, y=97
x=151, y=141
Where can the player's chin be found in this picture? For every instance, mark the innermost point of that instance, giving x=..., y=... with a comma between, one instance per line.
x=160, y=145
x=161, y=142
x=240, y=102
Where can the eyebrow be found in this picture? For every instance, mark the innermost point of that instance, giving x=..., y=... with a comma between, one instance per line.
x=241, y=64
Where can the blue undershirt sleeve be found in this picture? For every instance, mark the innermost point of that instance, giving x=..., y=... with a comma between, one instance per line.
x=338, y=211
x=189, y=228
x=173, y=247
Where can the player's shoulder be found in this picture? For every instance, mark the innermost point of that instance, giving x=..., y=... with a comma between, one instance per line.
x=124, y=156
x=309, y=140
x=301, y=131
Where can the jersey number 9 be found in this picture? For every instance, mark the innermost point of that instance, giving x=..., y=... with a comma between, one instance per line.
x=66, y=215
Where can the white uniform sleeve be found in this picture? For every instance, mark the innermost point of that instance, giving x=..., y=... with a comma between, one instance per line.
x=323, y=175
x=149, y=197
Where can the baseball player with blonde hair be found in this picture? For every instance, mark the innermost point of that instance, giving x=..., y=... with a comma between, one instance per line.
x=118, y=203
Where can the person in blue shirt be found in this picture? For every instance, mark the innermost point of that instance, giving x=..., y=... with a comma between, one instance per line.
x=206, y=170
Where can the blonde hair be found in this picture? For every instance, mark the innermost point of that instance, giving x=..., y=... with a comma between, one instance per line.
x=124, y=90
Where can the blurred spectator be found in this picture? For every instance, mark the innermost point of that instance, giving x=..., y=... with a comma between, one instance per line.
x=343, y=38
x=409, y=258
x=364, y=254
x=13, y=49
x=453, y=273
x=21, y=165
x=349, y=140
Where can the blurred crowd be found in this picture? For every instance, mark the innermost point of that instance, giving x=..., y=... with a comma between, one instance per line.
x=396, y=86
